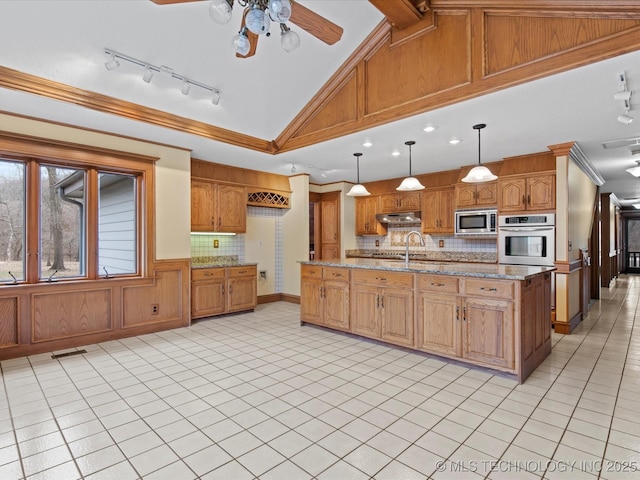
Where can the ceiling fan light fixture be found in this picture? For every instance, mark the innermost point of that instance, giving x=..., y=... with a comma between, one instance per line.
x=479, y=173
x=257, y=20
x=220, y=11
x=289, y=40
x=280, y=10
x=241, y=42
x=410, y=183
x=358, y=190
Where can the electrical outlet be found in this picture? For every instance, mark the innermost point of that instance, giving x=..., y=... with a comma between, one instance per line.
x=155, y=309
x=377, y=243
x=441, y=243
x=216, y=243
x=263, y=275
x=570, y=245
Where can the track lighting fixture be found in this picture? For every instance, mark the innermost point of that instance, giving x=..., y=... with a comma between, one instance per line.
x=624, y=95
x=150, y=70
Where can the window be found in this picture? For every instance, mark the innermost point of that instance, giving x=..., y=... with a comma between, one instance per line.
x=12, y=238
x=70, y=222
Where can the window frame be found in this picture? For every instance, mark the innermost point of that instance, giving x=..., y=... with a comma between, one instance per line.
x=34, y=153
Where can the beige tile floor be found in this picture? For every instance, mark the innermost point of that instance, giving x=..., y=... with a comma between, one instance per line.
x=256, y=395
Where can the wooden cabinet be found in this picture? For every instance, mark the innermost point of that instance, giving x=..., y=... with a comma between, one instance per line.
x=366, y=223
x=382, y=306
x=476, y=194
x=330, y=228
x=217, y=207
x=530, y=193
x=324, y=296
x=438, y=211
x=219, y=290
x=399, y=202
x=438, y=315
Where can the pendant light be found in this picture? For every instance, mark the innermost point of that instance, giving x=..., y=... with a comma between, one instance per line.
x=358, y=190
x=410, y=183
x=479, y=173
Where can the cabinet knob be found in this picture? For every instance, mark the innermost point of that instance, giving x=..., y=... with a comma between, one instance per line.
x=382, y=279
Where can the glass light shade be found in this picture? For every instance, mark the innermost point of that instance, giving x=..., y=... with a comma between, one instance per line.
x=289, y=41
x=358, y=190
x=635, y=171
x=280, y=11
x=409, y=184
x=220, y=11
x=479, y=174
x=257, y=21
x=241, y=44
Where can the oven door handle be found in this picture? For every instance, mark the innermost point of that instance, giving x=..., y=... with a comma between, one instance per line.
x=526, y=229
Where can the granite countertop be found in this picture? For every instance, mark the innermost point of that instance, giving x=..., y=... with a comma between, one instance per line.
x=220, y=261
x=463, y=269
x=426, y=256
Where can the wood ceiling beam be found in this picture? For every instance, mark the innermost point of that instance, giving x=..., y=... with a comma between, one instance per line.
x=400, y=13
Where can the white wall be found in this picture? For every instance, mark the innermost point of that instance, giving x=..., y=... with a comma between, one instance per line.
x=260, y=247
x=172, y=177
x=295, y=231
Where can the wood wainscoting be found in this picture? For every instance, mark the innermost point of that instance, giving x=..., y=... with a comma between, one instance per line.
x=54, y=316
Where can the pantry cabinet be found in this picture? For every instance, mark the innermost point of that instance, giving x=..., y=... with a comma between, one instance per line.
x=219, y=290
x=469, y=195
x=218, y=207
x=438, y=211
x=530, y=193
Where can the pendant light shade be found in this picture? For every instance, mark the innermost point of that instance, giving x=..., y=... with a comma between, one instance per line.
x=358, y=190
x=479, y=173
x=410, y=183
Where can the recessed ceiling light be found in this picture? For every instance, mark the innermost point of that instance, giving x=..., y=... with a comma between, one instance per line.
x=395, y=153
x=367, y=144
x=430, y=128
x=454, y=141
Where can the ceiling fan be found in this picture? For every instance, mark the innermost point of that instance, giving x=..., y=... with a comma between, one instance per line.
x=259, y=13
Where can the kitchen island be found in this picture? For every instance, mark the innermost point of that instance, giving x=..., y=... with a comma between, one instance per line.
x=491, y=315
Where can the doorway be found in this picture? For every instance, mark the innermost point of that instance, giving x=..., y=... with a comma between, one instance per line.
x=324, y=226
x=632, y=245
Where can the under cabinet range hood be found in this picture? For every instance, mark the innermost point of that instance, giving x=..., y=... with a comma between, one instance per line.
x=398, y=218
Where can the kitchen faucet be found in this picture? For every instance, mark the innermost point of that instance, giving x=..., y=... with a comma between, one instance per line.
x=406, y=240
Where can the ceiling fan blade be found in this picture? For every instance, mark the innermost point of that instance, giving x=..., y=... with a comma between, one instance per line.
x=169, y=2
x=253, y=38
x=316, y=25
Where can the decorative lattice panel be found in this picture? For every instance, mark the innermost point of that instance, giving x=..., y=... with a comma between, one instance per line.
x=267, y=199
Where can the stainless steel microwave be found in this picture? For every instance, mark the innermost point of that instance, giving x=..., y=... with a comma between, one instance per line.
x=477, y=222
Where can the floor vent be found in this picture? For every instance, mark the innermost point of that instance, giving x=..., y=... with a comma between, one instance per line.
x=68, y=354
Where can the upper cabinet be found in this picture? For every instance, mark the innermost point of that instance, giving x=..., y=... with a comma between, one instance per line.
x=476, y=195
x=399, y=202
x=530, y=193
x=438, y=211
x=217, y=207
x=366, y=223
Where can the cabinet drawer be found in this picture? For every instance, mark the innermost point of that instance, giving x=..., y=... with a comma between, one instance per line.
x=336, y=273
x=311, y=271
x=242, y=271
x=383, y=278
x=487, y=288
x=437, y=283
x=207, y=273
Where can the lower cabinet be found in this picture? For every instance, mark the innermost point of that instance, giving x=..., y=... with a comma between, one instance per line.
x=219, y=290
x=382, y=306
x=324, y=296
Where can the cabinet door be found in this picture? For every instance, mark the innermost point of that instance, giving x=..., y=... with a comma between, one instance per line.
x=512, y=195
x=241, y=293
x=366, y=223
x=231, y=205
x=365, y=306
x=487, y=331
x=397, y=322
x=447, y=215
x=486, y=194
x=430, y=212
x=409, y=202
x=541, y=192
x=439, y=327
x=465, y=195
x=311, y=300
x=388, y=203
x=202, y=217
x=207, y=298
x=329, y=218
x=336, y=304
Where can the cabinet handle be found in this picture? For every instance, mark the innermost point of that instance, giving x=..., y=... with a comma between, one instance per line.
x=382, y=301
x=529, y=199
x=223, y=289
x=335, y=236
x=377, y=301
x=524, y=199
x=336, y=274
x=312, y=271
x=213, y=222
x=437, y=284
x=242, y=271
x=230, y=289
x=382, y=279
x=457, y=313
x=464, y=314
x=493, y=289
x=219, y=222
x=208, y=274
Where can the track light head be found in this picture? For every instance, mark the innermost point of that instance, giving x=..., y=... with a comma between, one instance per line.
x=185, y=88
x=623, y=95
x=148, y=75
x=215, y=97
x=112, y=63
x=625, y=118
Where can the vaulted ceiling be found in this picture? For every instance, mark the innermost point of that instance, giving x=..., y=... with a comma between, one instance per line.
x=538, y=75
